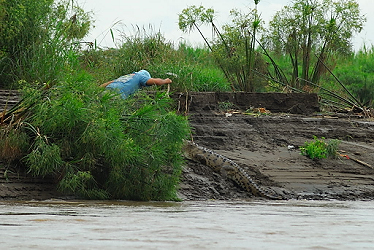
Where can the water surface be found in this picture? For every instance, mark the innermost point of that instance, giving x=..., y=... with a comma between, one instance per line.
x=253, y=224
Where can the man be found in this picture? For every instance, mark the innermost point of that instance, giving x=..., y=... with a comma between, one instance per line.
x=128, y=84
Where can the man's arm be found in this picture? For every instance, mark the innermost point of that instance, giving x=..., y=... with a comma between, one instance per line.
x=158, y=81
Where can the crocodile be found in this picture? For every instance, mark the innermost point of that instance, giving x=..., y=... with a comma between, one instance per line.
x=226, y=167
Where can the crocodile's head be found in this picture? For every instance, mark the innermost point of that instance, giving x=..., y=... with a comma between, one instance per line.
x=189, y=149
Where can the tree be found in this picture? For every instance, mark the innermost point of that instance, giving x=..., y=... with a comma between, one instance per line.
x=238, y=49
x=234, y=47
x=308, y=27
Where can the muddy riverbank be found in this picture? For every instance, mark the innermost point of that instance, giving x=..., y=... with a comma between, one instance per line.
x=268, y=148
x=267, y=145
x=263, y=135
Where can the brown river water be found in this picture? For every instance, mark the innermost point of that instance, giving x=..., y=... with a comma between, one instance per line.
x=250, y=224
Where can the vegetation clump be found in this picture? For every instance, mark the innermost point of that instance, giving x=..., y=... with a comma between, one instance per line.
x=98, y=145
x=320, y=149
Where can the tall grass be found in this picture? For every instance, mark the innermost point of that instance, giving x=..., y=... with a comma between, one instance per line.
x=37, y=39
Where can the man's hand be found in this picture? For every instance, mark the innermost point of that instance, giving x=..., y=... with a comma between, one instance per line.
x=168, y=81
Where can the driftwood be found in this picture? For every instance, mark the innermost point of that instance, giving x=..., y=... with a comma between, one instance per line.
x=356, y=160
x=361, y=162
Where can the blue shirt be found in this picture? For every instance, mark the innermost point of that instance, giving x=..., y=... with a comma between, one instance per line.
x=128, y=84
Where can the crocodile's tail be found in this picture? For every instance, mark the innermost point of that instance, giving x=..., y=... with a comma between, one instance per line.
x=245, y=181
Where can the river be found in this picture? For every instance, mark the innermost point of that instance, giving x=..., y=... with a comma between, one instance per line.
x=250, y=224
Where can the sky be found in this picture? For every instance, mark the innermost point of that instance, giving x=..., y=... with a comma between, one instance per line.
x=121, y=16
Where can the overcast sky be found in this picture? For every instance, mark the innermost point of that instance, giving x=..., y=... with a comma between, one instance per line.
x=162, y=15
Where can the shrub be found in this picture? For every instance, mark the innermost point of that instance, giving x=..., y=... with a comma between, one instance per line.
x=319, y=149
x=99, y=146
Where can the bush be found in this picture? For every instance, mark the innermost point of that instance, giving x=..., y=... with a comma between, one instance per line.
x=100, y=146
x=319, y=149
